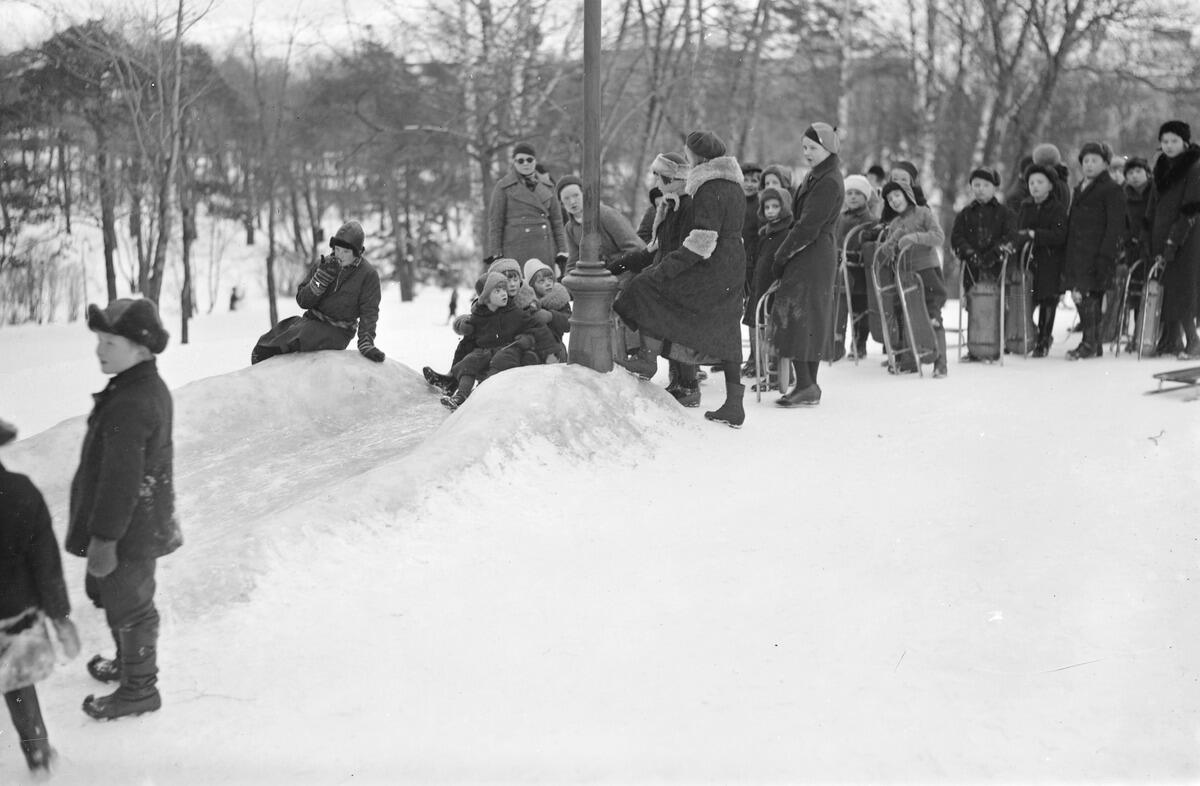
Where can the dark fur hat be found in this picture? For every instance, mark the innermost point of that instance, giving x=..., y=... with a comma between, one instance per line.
x=1096, y=149
x=523, y=148
x=1178, y=128
x=136, y=320
x=985, y=173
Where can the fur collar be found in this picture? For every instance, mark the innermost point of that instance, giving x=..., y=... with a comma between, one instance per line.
x=556, y=299
x=723, y=168
x=1169, y=171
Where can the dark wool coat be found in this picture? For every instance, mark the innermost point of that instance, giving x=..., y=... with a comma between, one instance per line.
x=1095, y=223
x=124, y=488
x=802, y=316
x=1048, y=220
x=1171, y=215
x=692, y=296
x=770, y=238
x=980, y=229
x=499, y=328
x=350, y=303
x=1135, y=220
x=617, y=236
x=524, y=224
x=750, y=225
x=30, y=567
x=847, y=223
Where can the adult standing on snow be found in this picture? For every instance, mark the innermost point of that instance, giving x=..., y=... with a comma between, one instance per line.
x=123, y=501
x=524, y=219
x=1172, y=212
x=341, y=294
x=691, y=300
x=806, y=263
x=32, y=590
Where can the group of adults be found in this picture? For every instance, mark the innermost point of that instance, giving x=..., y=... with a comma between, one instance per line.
x=683, y=272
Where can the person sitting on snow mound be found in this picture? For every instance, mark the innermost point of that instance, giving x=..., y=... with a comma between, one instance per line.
x=341, y=294
x=553, y=301
x=503, y=333
x=33, y=592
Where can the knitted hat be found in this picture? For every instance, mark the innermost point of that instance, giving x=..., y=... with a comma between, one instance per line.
x=1136, y=162
x=136, y=320
x=824, y=135
x=523, y=147
x=909, y=167
x=1178, y=128
x=349, y=235
x=1096, y=149
x=985, y=173
x=8, y=432
x=534, y=266
x=750, y=169
x=491, y=282
x=1047, y=154
x=503, y=265
x=569, y=180
x=860, y=184
x=705, y=144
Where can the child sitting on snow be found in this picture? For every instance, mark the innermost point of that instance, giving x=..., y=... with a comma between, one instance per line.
x=502, y=334
x=552, y=299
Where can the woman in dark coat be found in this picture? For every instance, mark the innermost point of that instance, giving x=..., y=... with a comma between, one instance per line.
x=31, y=590
x=806, y=263
x=1042, y=222
x=691, y=300
x=1172, y=212
x=1095, y=223
x=524, y=219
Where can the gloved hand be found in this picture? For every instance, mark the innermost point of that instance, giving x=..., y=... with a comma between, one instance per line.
x=462, y=325
x=543, y=316
x=618, y=266
x=525, y=341
x=101, y=557
x=373, y=353
x=68, y=637
x=325, y=273
x=560, y=259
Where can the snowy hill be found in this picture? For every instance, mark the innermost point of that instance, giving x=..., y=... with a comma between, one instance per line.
x=984, y=578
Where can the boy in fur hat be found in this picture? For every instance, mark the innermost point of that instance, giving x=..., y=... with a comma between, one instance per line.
x=32, y=593
x=122, y=509
x=983, y=231
x=502, y=333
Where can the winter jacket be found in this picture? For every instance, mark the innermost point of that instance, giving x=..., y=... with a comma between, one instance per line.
x=1172, y=212
x=770, y=238
x=525, y=224
x=1135, y=221
x=980, y=230
x=30, y=567
x=1048, y=220
x=558, y=302
x=124, y=487
x=617, y=236
x=802, y=314
x=1095, y=224
x=496, y=329
x=350, y=302
x=693, y=294
x=918, y=223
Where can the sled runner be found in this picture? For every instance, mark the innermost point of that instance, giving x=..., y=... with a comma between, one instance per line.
x=898, y=317
x=843, y=276
x=764, y=349
x=1128, y=290
x=1150, y=316
x=1019, y=330
x=1183, y=377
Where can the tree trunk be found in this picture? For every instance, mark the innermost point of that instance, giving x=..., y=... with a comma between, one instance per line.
x=271, y=299
x=108, y=217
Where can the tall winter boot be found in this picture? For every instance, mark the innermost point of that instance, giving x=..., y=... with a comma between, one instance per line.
x=939, y=362
x=1045, y=335
x=1089, y=319
x=139, y=677
x=731, y=413
x=26, y=714
x=103, y=669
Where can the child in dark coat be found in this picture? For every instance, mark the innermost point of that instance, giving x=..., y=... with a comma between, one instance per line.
x=553, y=302
x=983, y=231
x=774, y=221
x=31, y=591
x=502, y=334
x=1042, y=222
x=856, y=213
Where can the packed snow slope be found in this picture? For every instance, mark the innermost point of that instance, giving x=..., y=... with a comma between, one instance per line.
x=987, y=578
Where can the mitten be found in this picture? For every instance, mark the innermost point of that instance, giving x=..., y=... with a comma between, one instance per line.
x=101, y=557
x=368, y=349
x=525, y=341
x=543, y=316
x=560, y=260
x=462, y=325
x=325, y=273
x=68, y=637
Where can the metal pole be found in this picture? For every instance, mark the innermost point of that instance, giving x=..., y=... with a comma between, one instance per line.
x=592, y=287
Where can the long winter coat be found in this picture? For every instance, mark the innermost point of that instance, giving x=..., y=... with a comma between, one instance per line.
x=349, y=303
x=770, y=238
x=617, y=236
x=806, y=262
x=30, y=567
x=525, y=224
x=124, y=488
x=1048, y=220
x=980, y=229
x=692, y=296
x=1095, y=224
x=1171, y=217
x=1135, y=221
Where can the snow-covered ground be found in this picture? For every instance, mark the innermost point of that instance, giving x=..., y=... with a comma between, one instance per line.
x=987, y=578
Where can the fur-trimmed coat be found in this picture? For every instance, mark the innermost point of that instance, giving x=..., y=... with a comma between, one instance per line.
x=802, y=316
x=692, y=296
x=1172, y=213
x=1095, y=224
x=525, y=224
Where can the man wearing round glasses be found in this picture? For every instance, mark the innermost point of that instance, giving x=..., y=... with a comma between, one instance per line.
x=524, y=219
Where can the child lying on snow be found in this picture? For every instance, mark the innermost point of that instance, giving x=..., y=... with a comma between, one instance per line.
x=503, y=335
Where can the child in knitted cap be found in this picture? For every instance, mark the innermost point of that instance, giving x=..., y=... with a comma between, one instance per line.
x=518, y=292
x=502, y=334
x=553, y=301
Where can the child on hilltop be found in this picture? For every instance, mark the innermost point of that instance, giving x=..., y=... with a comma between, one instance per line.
x=502, y=334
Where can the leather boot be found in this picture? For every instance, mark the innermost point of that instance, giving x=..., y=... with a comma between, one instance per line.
x=939, y=362
x=808, y=396
x=139, y=678
x=105, y=670
x=731, y=413
x=26, y=714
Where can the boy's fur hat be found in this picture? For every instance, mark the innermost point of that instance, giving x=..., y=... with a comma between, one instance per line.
x=1137, y=162
x=1096, y=149
x=136, y=320
x=1176, y=127
x=985, y=173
